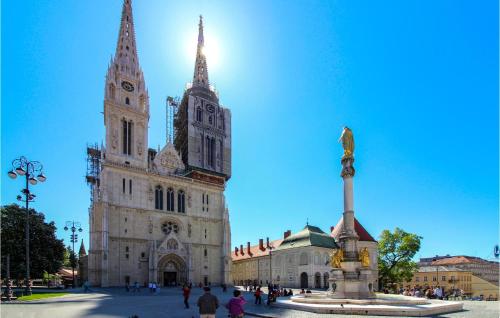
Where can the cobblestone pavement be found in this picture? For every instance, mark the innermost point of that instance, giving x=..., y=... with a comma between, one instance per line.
x=113, y=302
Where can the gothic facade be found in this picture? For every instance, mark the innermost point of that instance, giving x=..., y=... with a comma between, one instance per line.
x=160, y=216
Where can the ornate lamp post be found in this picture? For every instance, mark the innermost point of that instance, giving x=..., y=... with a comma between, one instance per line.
x=73, y=227
x=33, y=172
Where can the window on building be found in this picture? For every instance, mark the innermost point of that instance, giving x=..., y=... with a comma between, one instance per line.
x=443, y=278
x=159, y=198
x=130, y=186
x=170, y=199
x=199, y=114
x=417, y=279
x=168, y=227
x=434, y=278
x=425, y=278
x=304, y=259
x=205, y=252
x=205, y=233
x=127, y=100
x=180, y=202
x=127, y=127
x=143, y=254
x=210, y=120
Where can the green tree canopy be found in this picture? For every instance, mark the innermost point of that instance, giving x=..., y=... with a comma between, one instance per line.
x=395, y=253
x=46, y=251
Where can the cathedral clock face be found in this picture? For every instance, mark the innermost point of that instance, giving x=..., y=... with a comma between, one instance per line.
x=127, y=86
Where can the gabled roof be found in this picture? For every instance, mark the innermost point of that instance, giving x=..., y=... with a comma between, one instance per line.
x=360, y=230
x=309, y=236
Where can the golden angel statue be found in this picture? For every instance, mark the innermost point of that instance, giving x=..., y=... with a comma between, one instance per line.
x=364, y=257
x=347, y=140
x=336, y=258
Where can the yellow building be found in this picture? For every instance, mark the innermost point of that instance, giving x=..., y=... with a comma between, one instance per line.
x=449, y=278
x=484, y=288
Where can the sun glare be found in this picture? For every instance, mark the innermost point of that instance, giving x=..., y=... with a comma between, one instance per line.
x=211, y=50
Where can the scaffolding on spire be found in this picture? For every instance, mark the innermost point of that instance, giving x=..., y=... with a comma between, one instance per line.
x=172, y=108
x=93, y=168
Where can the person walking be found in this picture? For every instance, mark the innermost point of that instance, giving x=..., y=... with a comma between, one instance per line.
x=186, y=292
x=235, y=305
x=207, y=304
x=258, y=296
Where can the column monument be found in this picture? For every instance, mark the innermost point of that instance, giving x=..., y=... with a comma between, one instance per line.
x=350, y=267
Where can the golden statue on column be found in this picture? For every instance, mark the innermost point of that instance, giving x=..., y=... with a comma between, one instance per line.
x=336, y=258
x=347, y=140
x=364, y=257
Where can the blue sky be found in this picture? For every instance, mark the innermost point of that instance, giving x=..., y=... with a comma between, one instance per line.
x=417, y=81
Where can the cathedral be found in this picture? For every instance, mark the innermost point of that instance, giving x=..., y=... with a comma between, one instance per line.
x=159, y=215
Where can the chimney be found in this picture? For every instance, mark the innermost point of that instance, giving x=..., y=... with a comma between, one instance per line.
x=248, y=249
x=241, y=250
x=331, y=228
x=267, y=242
x=287, y=234
x=236, y=250
x=261, y=244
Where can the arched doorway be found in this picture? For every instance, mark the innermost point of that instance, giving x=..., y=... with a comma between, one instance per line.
x=304, y=283
x=172, y=270
x=326, y=276
x=317, y=280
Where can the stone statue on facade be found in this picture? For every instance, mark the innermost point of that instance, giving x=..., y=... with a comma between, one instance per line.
x=364, y=257
x=337, y=258
x=347, y=140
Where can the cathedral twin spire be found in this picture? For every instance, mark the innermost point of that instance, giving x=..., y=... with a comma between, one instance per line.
x=126, y=49
x=200, y=77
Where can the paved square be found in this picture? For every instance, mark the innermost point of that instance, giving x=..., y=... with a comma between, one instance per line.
x=108, y=303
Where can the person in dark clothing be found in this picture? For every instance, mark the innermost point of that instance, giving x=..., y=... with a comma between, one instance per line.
x=207, y=304
x=258, y=296
x=186, y=292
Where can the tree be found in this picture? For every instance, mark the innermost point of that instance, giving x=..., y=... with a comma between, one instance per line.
x=70, y=259
x=46, y=251
x=395, y=253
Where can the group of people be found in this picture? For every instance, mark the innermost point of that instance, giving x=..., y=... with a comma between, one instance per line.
x=154, y=288
x=431, y=292
x=274, y=291
x=208, y=303
x=135, y=287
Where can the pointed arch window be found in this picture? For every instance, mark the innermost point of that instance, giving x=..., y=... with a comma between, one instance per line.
x=127, y=100
x=127, y=127
x=170, y=199
x=159, y=198
x=199, y=115
x=180, y=201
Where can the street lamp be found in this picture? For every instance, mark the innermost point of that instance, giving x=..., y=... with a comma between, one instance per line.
x=32, y=170
x=73, y=227
x=270, y=248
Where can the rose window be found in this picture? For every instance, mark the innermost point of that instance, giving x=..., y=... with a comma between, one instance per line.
x=168, y=227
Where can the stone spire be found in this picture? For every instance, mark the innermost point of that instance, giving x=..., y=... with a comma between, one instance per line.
x=82, y=251
x=200, y=77
x=126, y=49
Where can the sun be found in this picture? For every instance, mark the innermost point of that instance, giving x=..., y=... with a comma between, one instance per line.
x=210, y=50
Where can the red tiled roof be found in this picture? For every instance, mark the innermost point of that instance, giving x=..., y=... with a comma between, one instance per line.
x=454, y=260
x=360, y=230
x=255, y=251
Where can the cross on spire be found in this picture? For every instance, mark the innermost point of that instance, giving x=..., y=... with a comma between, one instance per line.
x=200, y=77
